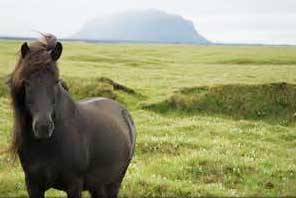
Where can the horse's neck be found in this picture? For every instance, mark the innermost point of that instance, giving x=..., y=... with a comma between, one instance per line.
x=66, y=109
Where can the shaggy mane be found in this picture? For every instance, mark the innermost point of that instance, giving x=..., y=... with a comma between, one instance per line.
x=38, y=60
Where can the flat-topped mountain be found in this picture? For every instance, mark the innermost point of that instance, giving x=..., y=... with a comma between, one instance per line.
x=142, y=26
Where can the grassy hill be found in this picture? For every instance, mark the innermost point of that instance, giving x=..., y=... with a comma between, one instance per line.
x=211, y=120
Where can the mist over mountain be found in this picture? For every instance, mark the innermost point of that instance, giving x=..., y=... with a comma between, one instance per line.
x=142, y=26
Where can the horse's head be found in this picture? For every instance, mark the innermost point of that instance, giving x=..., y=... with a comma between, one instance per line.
x=40, y=101
x=37, y=80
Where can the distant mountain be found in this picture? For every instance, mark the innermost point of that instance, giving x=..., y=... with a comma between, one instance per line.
x=142, y=26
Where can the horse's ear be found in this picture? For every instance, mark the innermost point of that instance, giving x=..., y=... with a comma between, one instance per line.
x=25, y=49
x=57, y=51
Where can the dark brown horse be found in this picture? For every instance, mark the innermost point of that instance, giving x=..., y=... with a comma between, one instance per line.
x=63, y=144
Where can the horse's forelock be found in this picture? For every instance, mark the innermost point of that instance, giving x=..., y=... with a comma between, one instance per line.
x=49, y=40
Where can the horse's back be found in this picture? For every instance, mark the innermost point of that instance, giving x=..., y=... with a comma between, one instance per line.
x=111, y=135
x=108, y=113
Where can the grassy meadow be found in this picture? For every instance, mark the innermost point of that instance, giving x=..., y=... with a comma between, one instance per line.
x=211, y=120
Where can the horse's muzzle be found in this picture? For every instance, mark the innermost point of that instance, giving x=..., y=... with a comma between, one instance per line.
x=43, y=130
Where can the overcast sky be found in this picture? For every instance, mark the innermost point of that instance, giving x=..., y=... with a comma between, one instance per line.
x=227, y=21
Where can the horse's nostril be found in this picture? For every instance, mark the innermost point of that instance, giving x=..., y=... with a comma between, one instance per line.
x=50, y=125
x=45, y=127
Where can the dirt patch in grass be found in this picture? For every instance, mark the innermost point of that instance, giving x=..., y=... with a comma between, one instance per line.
x=116, y=86
x=274, y=101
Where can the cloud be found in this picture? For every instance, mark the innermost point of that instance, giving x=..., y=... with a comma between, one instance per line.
x=249, y=28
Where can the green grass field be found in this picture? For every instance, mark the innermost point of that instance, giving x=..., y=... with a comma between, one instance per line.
x=211, y=120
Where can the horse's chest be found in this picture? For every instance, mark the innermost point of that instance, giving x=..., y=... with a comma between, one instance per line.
x=49, y=173
x=51, y=165
x=35, y=166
